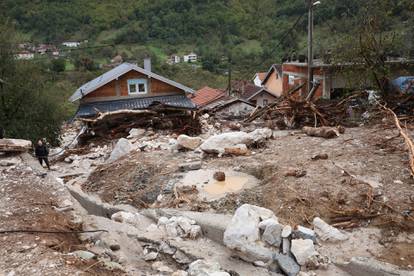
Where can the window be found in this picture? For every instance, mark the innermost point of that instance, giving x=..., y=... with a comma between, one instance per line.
x=265, y=102
x=137, y=86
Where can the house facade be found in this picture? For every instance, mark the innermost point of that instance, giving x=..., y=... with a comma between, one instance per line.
x=273, y=81
x=262, y=98
x=192, y=57
x=130, y=87
x=25, y=55
x=259, y=78
x=174, y=59
x=71, y=44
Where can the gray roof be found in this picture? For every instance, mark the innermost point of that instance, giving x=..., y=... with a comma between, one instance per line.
x=175, y=101
x=263, y=90
x=117, y=72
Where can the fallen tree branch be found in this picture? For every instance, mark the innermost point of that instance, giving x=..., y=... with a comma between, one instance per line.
x=407, y=139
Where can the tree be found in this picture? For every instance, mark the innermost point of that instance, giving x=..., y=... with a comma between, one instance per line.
x=58, y=65
x=29, y=108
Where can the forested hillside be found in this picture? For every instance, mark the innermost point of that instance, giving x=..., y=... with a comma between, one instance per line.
x=253, y=34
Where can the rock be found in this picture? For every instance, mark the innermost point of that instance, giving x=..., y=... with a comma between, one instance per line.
x=326, y=232
x=325, y=132
x=287, y=231
x=287, y=264
x=195, y=232
x=243, y=234
x=65, y=203
x=267, y=222
x=218, y=143
x=166, y=248
x=123, y=147
x=371, y=267
x=113, y=265
x=272, y=235
x=235, y=126
x=85, y=255
x=261, y=134
x=302, y=250
x=161, y=267
x=151, y=256
x=304, y=233
x=162, y=221
x=181, y=258
x=134, y=219
x=180, y=273
x=285, y=246
x=136, y=133
x=204, y=268
x=240, y=149
x=11, y=161
x=192, y=166
x=260, y=264
x=317, y=261
x=296, y=172
x=219, y=176
x=322, y=156
x=187, y=142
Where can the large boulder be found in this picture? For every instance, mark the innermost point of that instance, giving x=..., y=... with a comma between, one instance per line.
x=123, y=147
x=187, y=142
x=218, y=143
x=261, y=134
x=243, y=234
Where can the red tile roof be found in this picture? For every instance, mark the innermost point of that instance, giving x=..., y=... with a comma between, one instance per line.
x=207, y=95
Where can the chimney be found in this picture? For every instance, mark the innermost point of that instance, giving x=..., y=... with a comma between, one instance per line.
x=147, y=64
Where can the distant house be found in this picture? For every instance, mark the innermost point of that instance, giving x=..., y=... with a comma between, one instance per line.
x=71, y=44
x=192, y=57
x=258, y=78
x=335, y=77
x=206, y=96
x=261, y=98
x=26, y=55
x=129, y=87
x=174, y=59
x=232, y=108
x=273, y=80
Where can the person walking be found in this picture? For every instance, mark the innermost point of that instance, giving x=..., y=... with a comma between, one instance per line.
x=42, y=153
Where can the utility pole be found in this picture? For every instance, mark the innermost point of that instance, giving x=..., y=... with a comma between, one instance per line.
x=310, y=45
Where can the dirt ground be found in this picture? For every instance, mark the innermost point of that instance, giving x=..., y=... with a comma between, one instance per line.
x=28, y=202
x=364, y=182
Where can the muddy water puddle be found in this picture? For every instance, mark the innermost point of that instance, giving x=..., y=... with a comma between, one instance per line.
x=210, y=189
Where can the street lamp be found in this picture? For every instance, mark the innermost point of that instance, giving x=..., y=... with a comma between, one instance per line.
x=311, y=5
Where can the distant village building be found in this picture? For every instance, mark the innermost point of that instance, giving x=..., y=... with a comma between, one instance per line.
x=258, y=78
x=71, y=44
x=174, y=59
x=192, y=57
x=129, y=87
x=25, y=55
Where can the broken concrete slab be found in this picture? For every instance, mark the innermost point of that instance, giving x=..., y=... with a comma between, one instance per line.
x=287, y=264
x=304, y=233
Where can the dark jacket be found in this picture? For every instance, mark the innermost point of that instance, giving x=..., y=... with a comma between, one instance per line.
x=41, y=151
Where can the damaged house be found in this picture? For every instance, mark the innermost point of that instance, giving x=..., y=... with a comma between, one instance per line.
x=130, y=96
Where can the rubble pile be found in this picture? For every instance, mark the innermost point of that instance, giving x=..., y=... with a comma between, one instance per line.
x=255, y=235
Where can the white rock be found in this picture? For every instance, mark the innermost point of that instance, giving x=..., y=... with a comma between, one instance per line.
x=136, y=133
x=326, y=232
x=151, y=256
x=161, y=267
x=261, y=134
x=123, y=147
x=188, y=142
x=133, y=219
x=267, y=222
x=218, y=143
x=287, y=231
x=302, y=250
x=240, y=149
x=243, y=234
